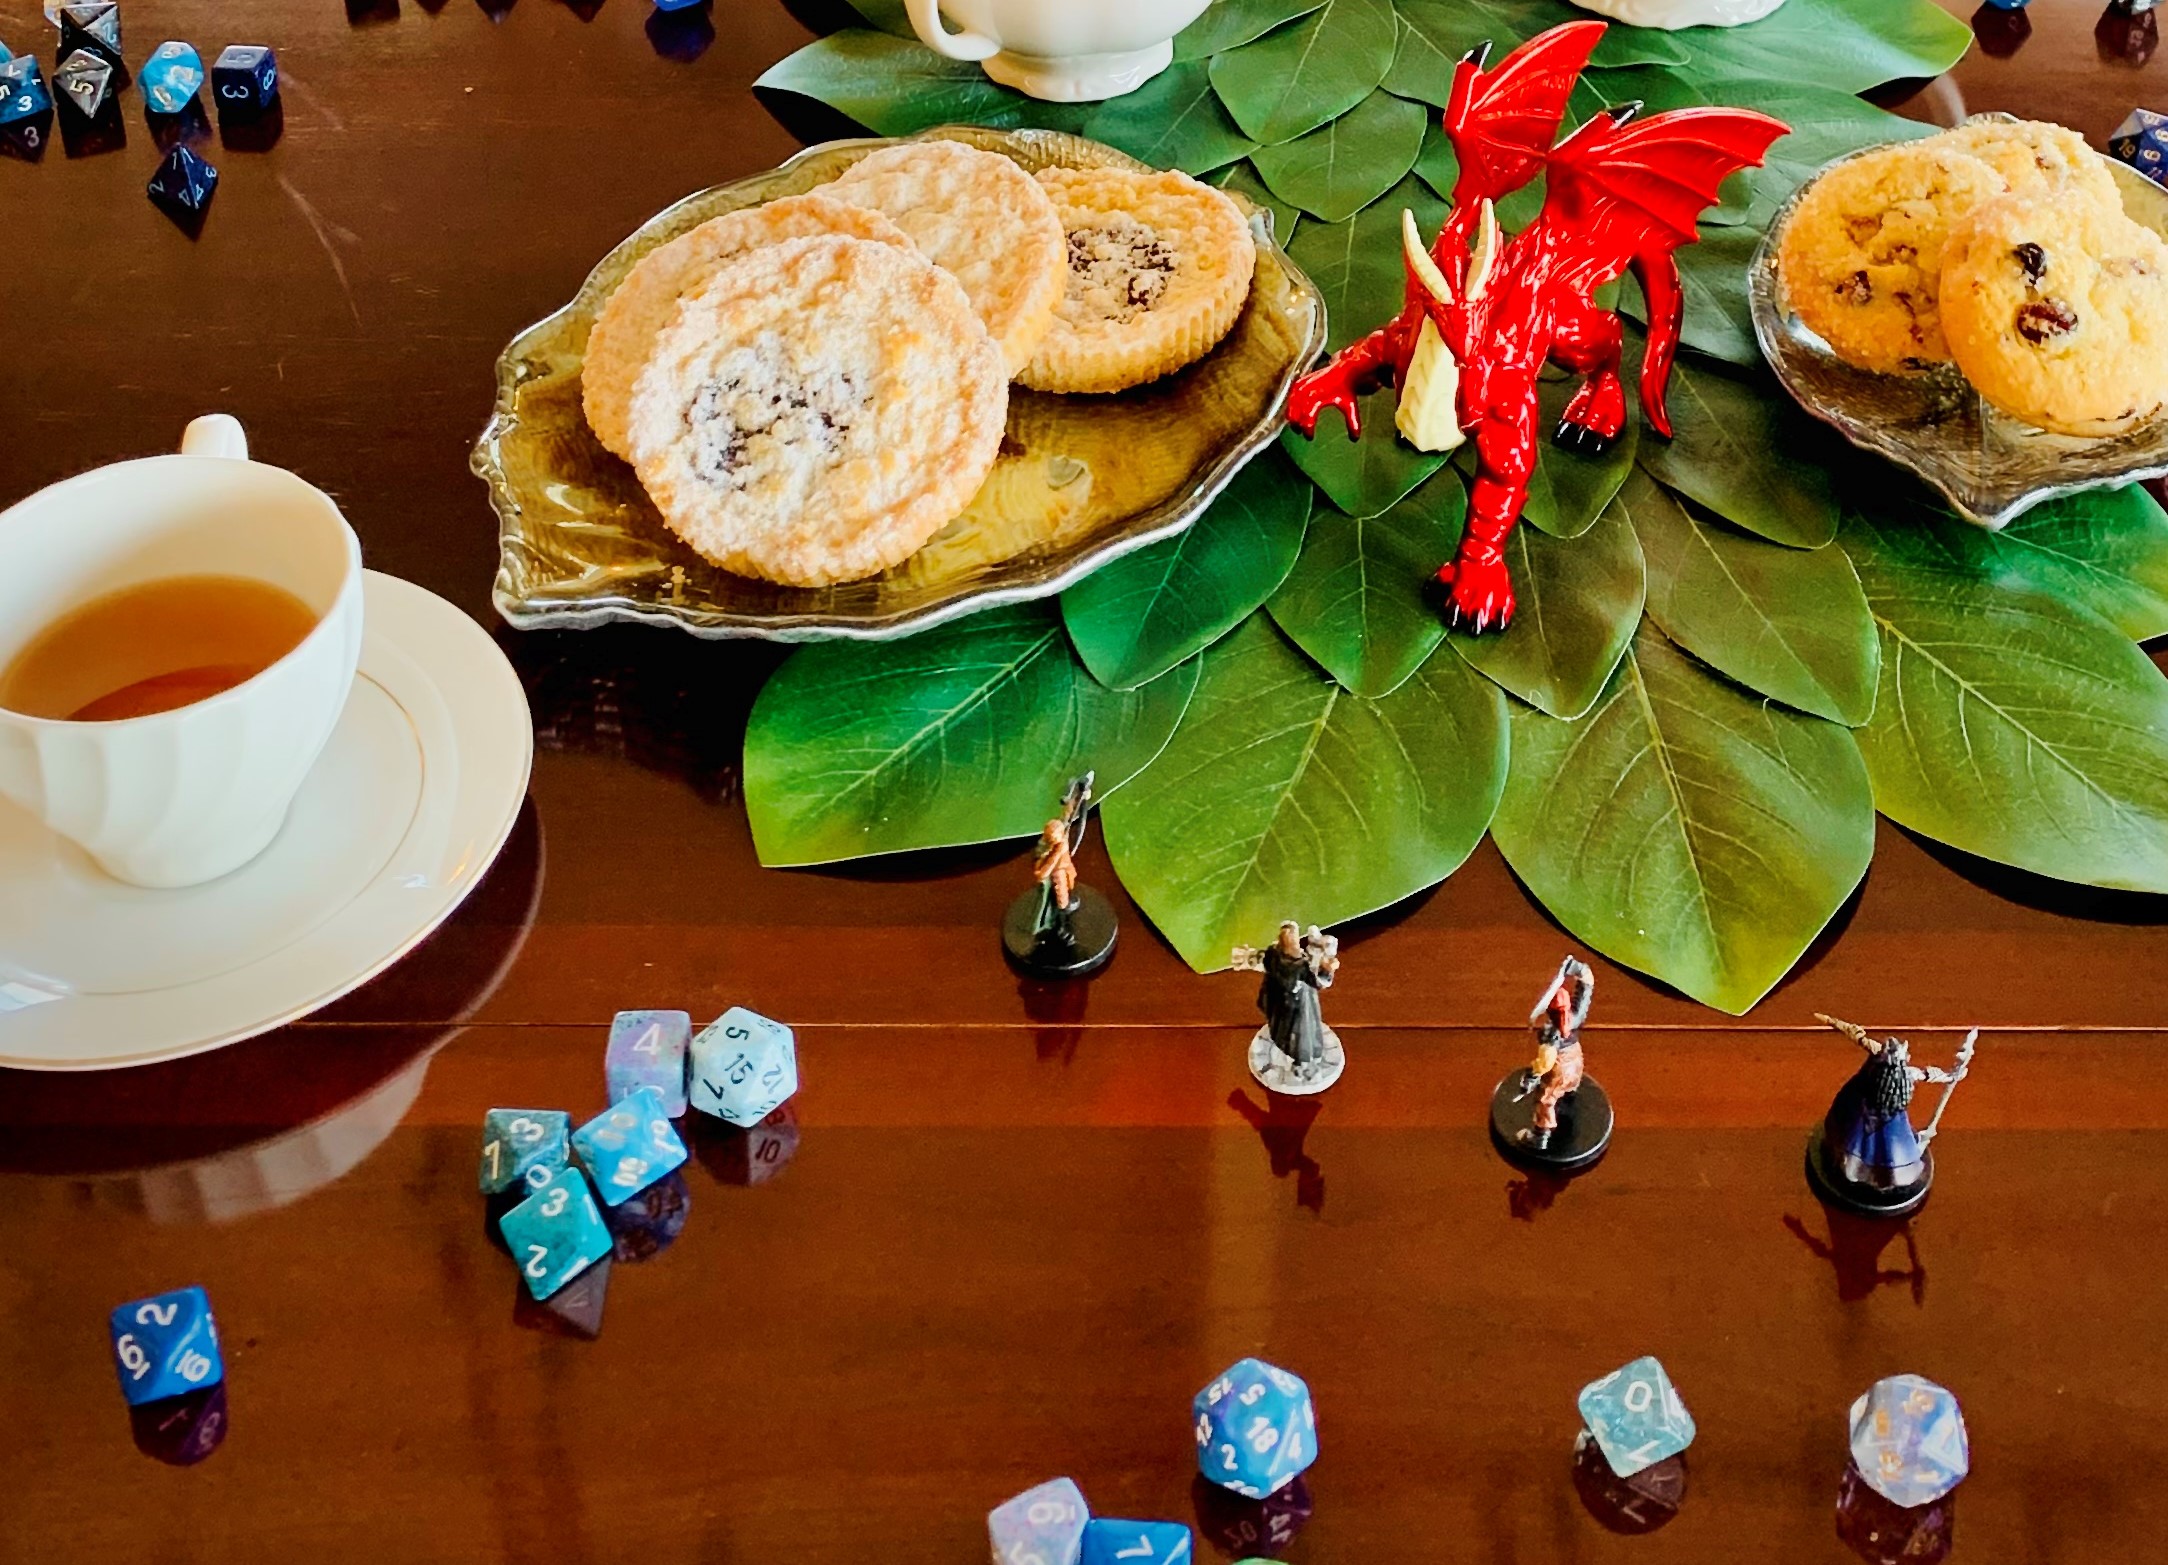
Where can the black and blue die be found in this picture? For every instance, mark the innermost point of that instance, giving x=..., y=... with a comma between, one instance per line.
x=245, y=78
x=91, y=25
x=2142, y=142
x=23, y=94
x=629, y=1145
x=166, y=1346
x=556, y=1233
x=1256, y=1428
x=183, y=184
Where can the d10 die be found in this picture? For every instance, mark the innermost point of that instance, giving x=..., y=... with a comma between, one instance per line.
x=22, y=90
x=648, y=1049
x=171, y=77
x=1908, y=1440
x=556, y=1233
x=755, y=1156
x=1110, y=1542
x=1885, y=1533
x=2142, y=142
x=1256, y=1428
x=743, y=1066
x=629, y=1146
x=1041, y=1526
x=181, y=1431
x=1640, y=1504
x=183, y=184
x=84, y=82
x=1636, y=1416
x=166, y=1345
x=245, y=78
x=522, y=1144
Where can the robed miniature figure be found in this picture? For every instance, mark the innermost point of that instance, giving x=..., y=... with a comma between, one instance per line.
x=1294, y=1052
x=1060, y=929
x=1551, y=1113
x=1865, y=1156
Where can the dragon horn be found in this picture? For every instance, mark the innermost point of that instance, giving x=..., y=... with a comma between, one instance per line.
x=1486, y=251
x=1420, y=265
x=1622, y=112
x=1479, y=56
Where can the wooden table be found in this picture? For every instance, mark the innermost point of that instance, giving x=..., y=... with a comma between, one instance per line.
x=1024, y=1224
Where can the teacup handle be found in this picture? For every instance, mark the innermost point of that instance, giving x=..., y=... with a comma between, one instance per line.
x=215, y=434
x=926, y=22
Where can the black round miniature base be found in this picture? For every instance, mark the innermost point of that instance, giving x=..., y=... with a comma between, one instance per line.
x=1089, y=946
x=1584, y=1126
x=1832, y=1189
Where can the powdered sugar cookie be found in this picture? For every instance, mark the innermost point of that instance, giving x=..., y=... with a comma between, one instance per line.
x=2036, y=158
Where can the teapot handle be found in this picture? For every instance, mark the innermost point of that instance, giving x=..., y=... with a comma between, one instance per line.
x=926, y=22
x=215, y=434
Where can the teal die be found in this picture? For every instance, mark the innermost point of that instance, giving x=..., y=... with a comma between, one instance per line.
x=1636, y=1416
x=171, y=77
x=744, y=1066
x=1909, y=1441
x=649, y=1049
x=629, y=1145
x=1111, y=1542
x=519, y=1144
x=1041, y=1526
x=1256, y=1428
x=556, y=1233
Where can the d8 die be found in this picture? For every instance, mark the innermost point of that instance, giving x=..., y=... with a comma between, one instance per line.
x=1636, y=1416
x=245, y=78
x=1109, y=1542
x=22, y=90
x=171, y=77
x=2142, y=142
x=522, y=1144
x=1908, y=1440
x=629, y=1146
x=181, y=1431
x=648, y=1049
x=1256, y=1428
x=743, y=1066
x=84, y=82
x=556, y=1233
x=1041, y=1526
x=166, y=1345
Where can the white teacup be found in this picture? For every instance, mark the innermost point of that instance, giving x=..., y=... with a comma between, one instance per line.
x=179, y=797
x=1066, y=51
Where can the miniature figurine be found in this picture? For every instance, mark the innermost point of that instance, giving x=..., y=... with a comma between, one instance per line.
x=1483, y=313
x=1865, y=1156
x=1294, y=1052
x=1552, y=1113
x=1061, y=929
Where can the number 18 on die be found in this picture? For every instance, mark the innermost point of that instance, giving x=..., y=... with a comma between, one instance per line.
x=166, y=1345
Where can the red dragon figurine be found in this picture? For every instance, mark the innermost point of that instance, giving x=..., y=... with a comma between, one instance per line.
x=1482, y=316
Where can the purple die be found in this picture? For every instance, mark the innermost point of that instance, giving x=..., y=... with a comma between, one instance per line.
x=756, y=1155
x=648, y=1049
x=1041, y=1526
x=643, y=1226
x=181, y=1431
x=629, y=1146
x=245, y=78
x=166, y=1345
x=1243, y=1528
x=2142, y=142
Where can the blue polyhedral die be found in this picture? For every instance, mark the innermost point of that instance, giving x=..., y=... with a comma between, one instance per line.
x=1110, y=1542
x=166, y=1346
x=84, y=83
x=629, y=1145
x=2142, y=142
x=1908, y=1440
x=676, y=5
x=22, y=90
x=556, y=1233
x=2009, y=5
x=171, y=77
x=1041, y=1526
x=181, y=1431
x=744, y=1065
x=6, y=54
x=183, y=183
x=649, y=1049
x=1256, y=1428
x=529, y=1144
x=245, y=78
x=1636, y=1416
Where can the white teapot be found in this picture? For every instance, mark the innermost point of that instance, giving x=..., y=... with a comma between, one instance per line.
x=1673, y=14
x=1065, y=51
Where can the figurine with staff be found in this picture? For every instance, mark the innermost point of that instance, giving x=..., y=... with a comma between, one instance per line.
x=1865, y=1156
x=1060, y=929
x=1294, y=1053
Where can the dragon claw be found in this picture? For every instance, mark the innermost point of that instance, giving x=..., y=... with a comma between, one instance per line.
x=1580, y=438
x=1478, y=595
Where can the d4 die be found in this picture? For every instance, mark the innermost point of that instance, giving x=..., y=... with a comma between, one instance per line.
x=744, y=1065
x=1256, y=1428
x=1111, y=1542
x=166, y=1345
x=648, y=1049
x=1042, y=1526
x=522, y=1144
x=556, y=1233
x=629, y=1146
x=1636, y=1416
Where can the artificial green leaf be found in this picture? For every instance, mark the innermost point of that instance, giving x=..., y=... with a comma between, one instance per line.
x=1173, y=121
x=1434, y=34
x=963, y=733
x=1355, y=600
x=1686, y=828
x=1341, y=167
x=2013, y=725
x=1357, y=266
x=1791, y=624
x=1742, y=449
x=1845, y=45
x=1228, y=24
x=1825, y=124
x=1365, y=475
x=1654, y=87
x=1296, y=78
x=1712, y=282
x=896, y=87
x=1568, y=491
x=1281, y=795
x=888, y=15
x=1240, y=177
x=1577, y=602
x=1140, y=615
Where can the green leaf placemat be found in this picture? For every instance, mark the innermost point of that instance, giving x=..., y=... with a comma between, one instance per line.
x=1298, y=77
x=1741, y=448
x=1338, y=169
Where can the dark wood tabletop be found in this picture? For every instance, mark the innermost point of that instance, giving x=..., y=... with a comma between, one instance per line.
x=1023, y=1223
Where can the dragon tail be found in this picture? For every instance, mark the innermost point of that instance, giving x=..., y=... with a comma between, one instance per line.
x=1657, y=271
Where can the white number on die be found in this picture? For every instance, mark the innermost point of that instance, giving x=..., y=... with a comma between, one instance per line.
x=1228, y=1453
x=1204, y=1429
x=1021, y=1553
x=132, y=1357
x=650, y=1041
x=556, y=1201
x=525, y=1129
x=1254, y=1395
x=629, y=1170
x=1142, y=1551
x=193, y=1367
x=157, y=1314
x=536, y=1255
x=1262, y=1436
x=1044, y=1513
x=495, y=1153
x=1640, y=1397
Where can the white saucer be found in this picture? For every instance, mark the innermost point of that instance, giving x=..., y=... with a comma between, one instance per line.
x=410, y=803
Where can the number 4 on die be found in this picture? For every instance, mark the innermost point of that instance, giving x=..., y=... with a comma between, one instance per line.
x=166, y=1345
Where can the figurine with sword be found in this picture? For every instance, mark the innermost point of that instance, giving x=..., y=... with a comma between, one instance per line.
x=1060, y=929
x=1552, y=1114
x=1865, y=1156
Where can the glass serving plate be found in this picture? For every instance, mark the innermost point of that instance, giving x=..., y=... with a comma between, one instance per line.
x=1992, y=468
x=1080, y=480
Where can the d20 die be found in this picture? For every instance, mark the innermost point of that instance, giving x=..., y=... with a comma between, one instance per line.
x=1908, y=1440
x=648, y=1049
x=245, y=78
x=1111, y=1542
x=22, y=90
x=84, y=82
x=1636, y=1416
x=643, y=1226
x=1239, y=1527
x=556, y=1233
x=2142, y=142
x=183, y=184
x=1256, y=1428
x=629, y=1146
x=1041, y=1526
x=522, y=1144
x=181, y=1431
x=166, y=1345
x=171, y=77
x=743, y=1066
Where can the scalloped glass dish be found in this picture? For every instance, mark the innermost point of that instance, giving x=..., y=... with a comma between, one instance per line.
x=1080, y=481
x=1990, y=467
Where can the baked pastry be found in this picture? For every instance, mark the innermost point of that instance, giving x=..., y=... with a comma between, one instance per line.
x=2035, y=158
x=618, y=345
x=2057, y=312
x=1861, y=258
x=817, y=410
x=977, y=216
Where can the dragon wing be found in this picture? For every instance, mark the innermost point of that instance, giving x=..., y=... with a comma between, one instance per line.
x=1502, y=122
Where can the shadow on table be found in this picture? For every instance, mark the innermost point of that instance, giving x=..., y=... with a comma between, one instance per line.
x=2097, y=904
